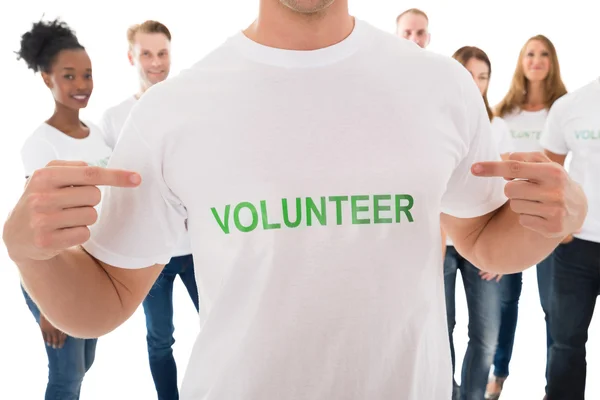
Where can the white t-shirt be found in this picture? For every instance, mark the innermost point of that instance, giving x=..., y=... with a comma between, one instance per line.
x=313, y=182
x=47, y=144
x=501, y=135
x=573, y=126
x=112, y=123
x=525, y=129
x=113, y=120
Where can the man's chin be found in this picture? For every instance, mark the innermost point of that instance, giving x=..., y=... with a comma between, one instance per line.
x=154, y=79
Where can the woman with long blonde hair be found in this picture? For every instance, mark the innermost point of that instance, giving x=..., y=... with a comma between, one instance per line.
x=535, y=86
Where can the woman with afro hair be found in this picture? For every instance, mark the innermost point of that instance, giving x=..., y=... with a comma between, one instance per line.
x=52, y=49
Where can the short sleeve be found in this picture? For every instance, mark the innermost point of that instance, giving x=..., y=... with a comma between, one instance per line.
x=553, y=136
x=108, y=131
x=469, y=196
x=36, y=153
x=137, y=227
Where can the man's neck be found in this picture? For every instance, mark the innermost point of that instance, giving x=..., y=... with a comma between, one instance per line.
x=143, y=88
x=279, y=27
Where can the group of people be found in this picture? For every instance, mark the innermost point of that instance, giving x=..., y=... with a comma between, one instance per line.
x=52, y=48
x=253, y=176
x=527, y=120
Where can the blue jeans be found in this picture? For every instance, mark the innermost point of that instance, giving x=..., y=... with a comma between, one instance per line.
x=483, y=303
x=158, y=307
x=68, y=365
x=511, y=286
x=575, y=286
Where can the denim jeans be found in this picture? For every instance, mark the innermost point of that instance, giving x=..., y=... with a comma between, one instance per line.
x=511, y=286
x=483, y=303
x=575, y=285
x=66, y=366
x=158, y=307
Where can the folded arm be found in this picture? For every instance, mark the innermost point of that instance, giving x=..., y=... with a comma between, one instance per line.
x=82, y=296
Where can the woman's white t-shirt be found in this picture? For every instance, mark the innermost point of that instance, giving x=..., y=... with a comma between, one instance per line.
x=47, y=144
x=526, y=129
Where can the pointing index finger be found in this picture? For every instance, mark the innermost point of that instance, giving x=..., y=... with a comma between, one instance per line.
x=91, y=176
x=510, y=169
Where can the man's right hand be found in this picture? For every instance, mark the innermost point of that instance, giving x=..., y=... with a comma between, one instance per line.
x=53, y=337
x=56, y=208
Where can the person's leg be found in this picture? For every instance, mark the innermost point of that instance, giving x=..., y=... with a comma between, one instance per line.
x=90, y=353
x=66, y=366
x=483, y=304
x=574, y=286
x=510, y=292
x=188, y=277
x=544, y=275
x=158, y=308
x=450, y=270
x=31, y=305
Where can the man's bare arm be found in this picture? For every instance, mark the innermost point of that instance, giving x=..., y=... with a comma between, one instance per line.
x=83, y=297
x=544, y=207
x=43, y=234
x=497, y=242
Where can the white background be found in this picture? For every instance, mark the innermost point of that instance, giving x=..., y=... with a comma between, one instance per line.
x=121, y=369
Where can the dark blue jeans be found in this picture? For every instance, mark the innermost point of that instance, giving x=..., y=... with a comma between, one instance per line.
x=66, y=366
x=510, y=293
x=158, y=307
x=575, y=286
x=483, y=303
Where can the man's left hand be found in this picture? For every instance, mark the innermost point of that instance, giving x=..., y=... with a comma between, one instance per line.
x=547, y=200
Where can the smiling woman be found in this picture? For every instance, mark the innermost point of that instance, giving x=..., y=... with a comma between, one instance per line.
x=53, y=49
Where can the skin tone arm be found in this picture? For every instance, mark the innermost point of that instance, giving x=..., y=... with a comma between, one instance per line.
x=544, y=207
x=82, y=296
x=76, y=293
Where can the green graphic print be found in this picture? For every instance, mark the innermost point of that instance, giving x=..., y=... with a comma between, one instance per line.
x=314, y=211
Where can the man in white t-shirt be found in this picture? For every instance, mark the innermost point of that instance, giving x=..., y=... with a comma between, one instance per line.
x=312, y=164
x=149, y=52
x=413, y=24
x=573, y=126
